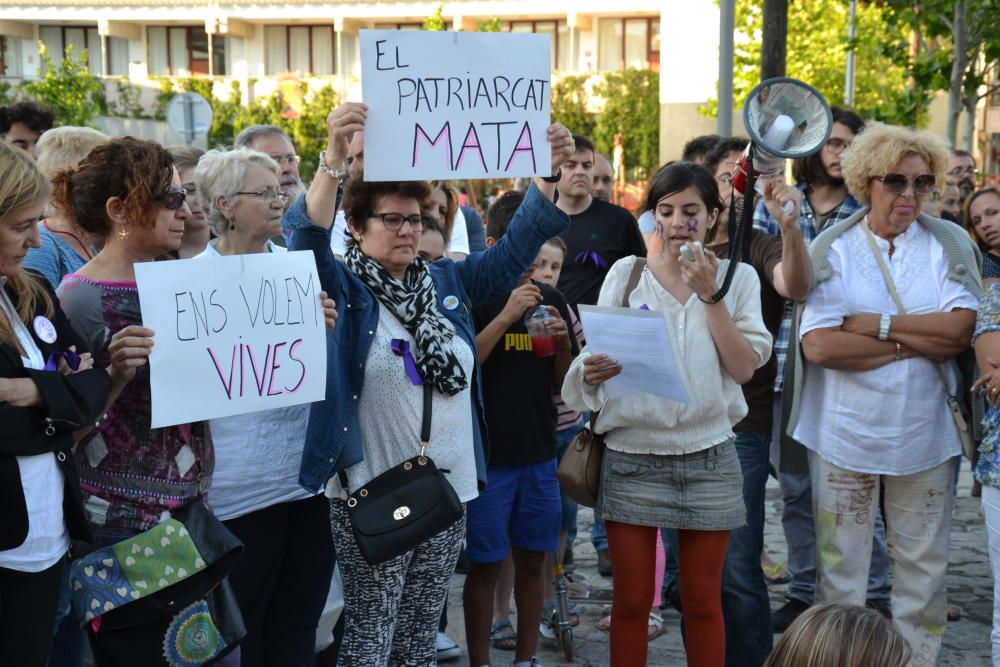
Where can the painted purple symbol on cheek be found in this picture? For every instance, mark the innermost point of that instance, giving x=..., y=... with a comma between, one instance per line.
x=692, y=224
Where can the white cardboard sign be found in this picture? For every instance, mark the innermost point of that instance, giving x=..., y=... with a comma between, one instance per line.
x=234, y=334
x=445, y=105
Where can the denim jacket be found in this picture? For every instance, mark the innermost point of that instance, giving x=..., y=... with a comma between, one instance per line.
x=333, y=437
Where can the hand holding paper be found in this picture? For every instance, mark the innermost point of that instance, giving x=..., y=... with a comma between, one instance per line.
x=635, y=352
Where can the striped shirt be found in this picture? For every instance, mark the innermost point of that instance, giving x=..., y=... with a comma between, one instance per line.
x=567, y=418
x=764, y=221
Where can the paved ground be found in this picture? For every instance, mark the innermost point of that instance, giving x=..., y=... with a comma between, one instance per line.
x=970, y=586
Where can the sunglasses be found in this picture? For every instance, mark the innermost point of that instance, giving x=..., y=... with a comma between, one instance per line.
x=173, y=199
x=896, y=183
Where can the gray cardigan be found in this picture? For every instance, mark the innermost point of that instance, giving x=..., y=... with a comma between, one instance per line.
x=964, y=262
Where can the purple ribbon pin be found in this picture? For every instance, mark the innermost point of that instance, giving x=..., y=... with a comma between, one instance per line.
x=591, y=256
x=644, y=307
x=401, y=348
x=71, y=357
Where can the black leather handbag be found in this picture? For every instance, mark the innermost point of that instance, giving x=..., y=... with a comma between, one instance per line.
x=403, y=506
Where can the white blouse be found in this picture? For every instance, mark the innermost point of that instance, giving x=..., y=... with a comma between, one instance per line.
x=390, y=411
x=891, y=420
x=41, y=479
x=648, y=424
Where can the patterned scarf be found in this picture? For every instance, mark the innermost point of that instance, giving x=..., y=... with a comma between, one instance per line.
x=414, y=303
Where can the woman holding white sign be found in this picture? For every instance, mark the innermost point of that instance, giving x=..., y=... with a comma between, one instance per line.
x=283, y=579
x=406, y=327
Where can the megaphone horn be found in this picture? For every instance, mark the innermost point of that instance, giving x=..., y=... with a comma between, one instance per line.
x=786, y=118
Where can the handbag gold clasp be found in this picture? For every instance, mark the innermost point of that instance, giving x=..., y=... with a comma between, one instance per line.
x=423, y=453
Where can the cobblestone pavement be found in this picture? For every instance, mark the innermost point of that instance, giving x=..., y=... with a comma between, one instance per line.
x=970, y=587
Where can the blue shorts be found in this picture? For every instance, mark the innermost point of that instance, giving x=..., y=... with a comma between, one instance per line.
x=520, y=508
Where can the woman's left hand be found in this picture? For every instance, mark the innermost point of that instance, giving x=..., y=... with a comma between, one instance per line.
x=329, y=310
x=990, y=381
x=700, y=274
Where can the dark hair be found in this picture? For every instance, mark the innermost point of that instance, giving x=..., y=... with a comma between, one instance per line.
x=360, y=197
x=29, y=114
x=681, y=176
x=582, y=143
x=137, y=172
x=810, y=169
x=501, y=213
x=967, y=213
x=557, y=242
x=699, y=147
x=723, y=148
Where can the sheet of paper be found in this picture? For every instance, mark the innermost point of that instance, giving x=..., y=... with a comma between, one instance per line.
x=234, y=334
x=444, y=105
x=639, y=341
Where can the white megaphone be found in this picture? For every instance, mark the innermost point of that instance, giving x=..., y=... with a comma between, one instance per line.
x=786, y=118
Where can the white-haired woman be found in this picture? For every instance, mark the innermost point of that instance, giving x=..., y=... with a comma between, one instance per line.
x=283, y=578
x=895, y=300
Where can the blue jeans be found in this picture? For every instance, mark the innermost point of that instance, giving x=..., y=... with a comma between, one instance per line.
x=68, y=638
x=745, y=603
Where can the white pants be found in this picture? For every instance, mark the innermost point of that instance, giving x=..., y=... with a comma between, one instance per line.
x=991, y=510
x=918, y=525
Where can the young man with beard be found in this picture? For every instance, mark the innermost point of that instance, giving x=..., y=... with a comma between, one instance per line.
x=825, y=202
x=272, y=140
x=599, y=232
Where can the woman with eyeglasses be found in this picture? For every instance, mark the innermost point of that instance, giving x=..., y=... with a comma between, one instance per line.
x=406, y=323
x=894, y=302
x=283, y=578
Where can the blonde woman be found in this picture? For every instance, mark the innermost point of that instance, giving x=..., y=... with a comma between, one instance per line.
x=840, y=635
x=43, y=399
x=65, y=246
x=894, y=301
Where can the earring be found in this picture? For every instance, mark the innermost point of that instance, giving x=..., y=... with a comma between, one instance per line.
x=232, y=225
x=123, y=233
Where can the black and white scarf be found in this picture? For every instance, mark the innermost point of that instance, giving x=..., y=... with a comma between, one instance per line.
x=414, y=303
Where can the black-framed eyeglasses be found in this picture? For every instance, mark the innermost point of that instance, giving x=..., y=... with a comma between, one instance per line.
x=268, y=194
x=393, y=221
x=897, y=183
x=837, y=146
x=173, y=199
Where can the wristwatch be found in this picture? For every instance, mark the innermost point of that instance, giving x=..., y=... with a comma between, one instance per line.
x=884, y=323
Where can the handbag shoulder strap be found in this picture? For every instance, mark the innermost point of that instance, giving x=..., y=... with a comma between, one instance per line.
x=891, y=286
x=425, y=431
x=633, y=282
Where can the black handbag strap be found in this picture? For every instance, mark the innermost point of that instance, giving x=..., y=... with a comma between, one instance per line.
x=425, y=430
x=633, y=282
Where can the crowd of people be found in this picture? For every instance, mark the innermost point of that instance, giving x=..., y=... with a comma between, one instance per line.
x=840, y=361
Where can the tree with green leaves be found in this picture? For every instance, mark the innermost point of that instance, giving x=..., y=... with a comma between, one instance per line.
x=436, y=21
x=68, y=88
x=955, y=47
x=816, y=52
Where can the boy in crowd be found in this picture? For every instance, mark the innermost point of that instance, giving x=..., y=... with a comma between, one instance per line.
x=520, y=510
x=22, y=124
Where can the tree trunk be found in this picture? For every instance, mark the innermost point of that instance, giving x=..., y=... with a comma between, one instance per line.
x=970, y=120
x=958, y=67
x=773, y=42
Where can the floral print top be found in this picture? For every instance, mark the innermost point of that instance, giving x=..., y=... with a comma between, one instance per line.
x=988, y=467
x=131, y=474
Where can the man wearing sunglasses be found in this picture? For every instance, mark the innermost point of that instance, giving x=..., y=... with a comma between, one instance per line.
x=826, y=201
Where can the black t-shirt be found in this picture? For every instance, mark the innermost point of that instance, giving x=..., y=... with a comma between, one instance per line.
x=518, y=388
x=765, y=254
x=607, y=230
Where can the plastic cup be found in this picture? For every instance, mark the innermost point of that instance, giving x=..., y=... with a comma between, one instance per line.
x=543, y=342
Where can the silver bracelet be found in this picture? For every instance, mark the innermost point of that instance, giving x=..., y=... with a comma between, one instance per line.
x=340, y=175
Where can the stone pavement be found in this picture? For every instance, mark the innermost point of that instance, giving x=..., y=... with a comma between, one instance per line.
x=970, y=586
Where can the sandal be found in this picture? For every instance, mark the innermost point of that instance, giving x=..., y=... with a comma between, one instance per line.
x=655, y=628
x=502, y=635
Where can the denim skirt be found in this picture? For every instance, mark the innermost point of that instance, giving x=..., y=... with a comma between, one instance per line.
x=698, y=491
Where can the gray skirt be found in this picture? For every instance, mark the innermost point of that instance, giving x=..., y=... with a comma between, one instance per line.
x=699, y=491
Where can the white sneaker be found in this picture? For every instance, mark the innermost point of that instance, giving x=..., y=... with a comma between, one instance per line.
x=446, y=648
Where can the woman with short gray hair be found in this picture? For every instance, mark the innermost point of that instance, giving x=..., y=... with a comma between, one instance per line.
x=282, y=580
